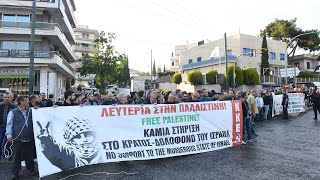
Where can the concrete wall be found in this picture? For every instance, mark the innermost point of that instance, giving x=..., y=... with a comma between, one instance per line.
x=248, y=88
x=168, y=86
x=191, y=88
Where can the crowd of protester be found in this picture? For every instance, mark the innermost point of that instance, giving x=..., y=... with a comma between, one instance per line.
x=256, y=106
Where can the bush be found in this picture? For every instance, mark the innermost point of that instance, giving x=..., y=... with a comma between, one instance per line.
x=306, y=74
x=251, y=76
x=166, y=73
x=195, y=77
x=211, y=76
x=177, y=79
x=239, y=75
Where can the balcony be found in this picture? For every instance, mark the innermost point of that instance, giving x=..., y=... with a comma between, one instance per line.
x=50, y=30
x=42, y=58
x=56, y=9
x=84, y=49
x=209, y=62
x=70, y=11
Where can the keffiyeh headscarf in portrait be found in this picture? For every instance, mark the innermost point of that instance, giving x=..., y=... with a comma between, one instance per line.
x=80, y=136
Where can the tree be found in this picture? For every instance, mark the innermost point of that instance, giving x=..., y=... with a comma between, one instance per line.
x=104, y=61
x=285, y=30
x=164, y=68
x=239, y=75
x=122, y=76
x=251, y=76
x=264, y=57
x=158, y=69
x=195, y=77
x=306, y=74
x=154, y=72
x=144, y=73
x=177, y=79
x=211, y=76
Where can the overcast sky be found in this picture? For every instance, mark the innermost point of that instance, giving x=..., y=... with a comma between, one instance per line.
x=142, y=25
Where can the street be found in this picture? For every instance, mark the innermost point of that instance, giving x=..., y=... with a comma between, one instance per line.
x=285, y=149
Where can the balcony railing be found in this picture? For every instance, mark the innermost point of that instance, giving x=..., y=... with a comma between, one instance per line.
x=39, y=26
x=209, y=62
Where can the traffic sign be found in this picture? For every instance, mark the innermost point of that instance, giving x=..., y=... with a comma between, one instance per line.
x=291, y=72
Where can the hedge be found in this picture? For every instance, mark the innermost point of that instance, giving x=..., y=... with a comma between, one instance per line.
x=195, y=77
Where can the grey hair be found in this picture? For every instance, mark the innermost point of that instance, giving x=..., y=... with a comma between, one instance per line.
x=120, y=96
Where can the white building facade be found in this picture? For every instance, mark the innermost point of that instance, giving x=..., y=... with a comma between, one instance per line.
x=211, y=55
x=54, y=45
x=85, y=38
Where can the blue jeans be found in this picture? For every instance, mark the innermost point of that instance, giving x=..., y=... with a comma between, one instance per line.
x=266, y=111
x=249, y=127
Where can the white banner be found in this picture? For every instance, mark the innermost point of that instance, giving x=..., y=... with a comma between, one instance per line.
x=296, y=103
x=70, y=137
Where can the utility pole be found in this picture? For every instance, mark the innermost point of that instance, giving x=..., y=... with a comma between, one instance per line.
x=225, y=49
x=151, y=69
x=31, y=51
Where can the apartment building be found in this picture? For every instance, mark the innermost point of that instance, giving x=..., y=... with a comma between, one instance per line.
x=84, y=46
x=305, y=62
x=211, y=55
x=54, y=45
x=175, y=56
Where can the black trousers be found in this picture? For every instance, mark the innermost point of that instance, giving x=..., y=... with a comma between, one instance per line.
x=27, y=148
x=285, y=112
x=316, y=107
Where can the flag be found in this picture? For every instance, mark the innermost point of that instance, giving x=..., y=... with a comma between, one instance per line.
x=215, y=52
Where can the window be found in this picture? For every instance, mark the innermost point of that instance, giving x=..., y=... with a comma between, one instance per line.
x=83, y=35
x=281, y=57
x=272, y=55
x=16, y=18
x=296, y=65
x=87, y=36
x=229, y=52
x=23, y=18
x=308, y=65
x=190, y=61
x=15, y=45
x=246, y=51
x=199, y=59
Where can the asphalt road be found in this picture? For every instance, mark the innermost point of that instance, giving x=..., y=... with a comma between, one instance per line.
x=285, y=149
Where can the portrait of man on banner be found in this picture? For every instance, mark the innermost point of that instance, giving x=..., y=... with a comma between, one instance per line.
x=80, y=146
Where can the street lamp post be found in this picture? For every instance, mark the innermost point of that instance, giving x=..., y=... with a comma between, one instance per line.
x=235, y=62
x=286, y=53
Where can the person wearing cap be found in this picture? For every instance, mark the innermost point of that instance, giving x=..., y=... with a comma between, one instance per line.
x=80, y=149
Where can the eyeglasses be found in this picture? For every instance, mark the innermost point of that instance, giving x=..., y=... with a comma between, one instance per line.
x=185, y=96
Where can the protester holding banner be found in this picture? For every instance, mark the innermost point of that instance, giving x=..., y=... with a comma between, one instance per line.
x=285, y=102
x=5, y=108
x=20, y=131
x=253, y=109
x=316, y=103
x=69, y=98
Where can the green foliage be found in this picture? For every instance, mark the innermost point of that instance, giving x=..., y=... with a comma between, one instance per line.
x=144, y=74
x=306, y=74
x=264, y=56
x=105, y=62
x=251, y=76
x=211, y=76
x=239, y=75
x=177, y=79
x=195, y=77
x=166, y=73
x=286, y=30
x=154, y=72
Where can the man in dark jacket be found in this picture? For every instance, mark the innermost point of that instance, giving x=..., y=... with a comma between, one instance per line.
x=5, y=108
x=285, y=103
x=20, y=130
x=316, y=103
